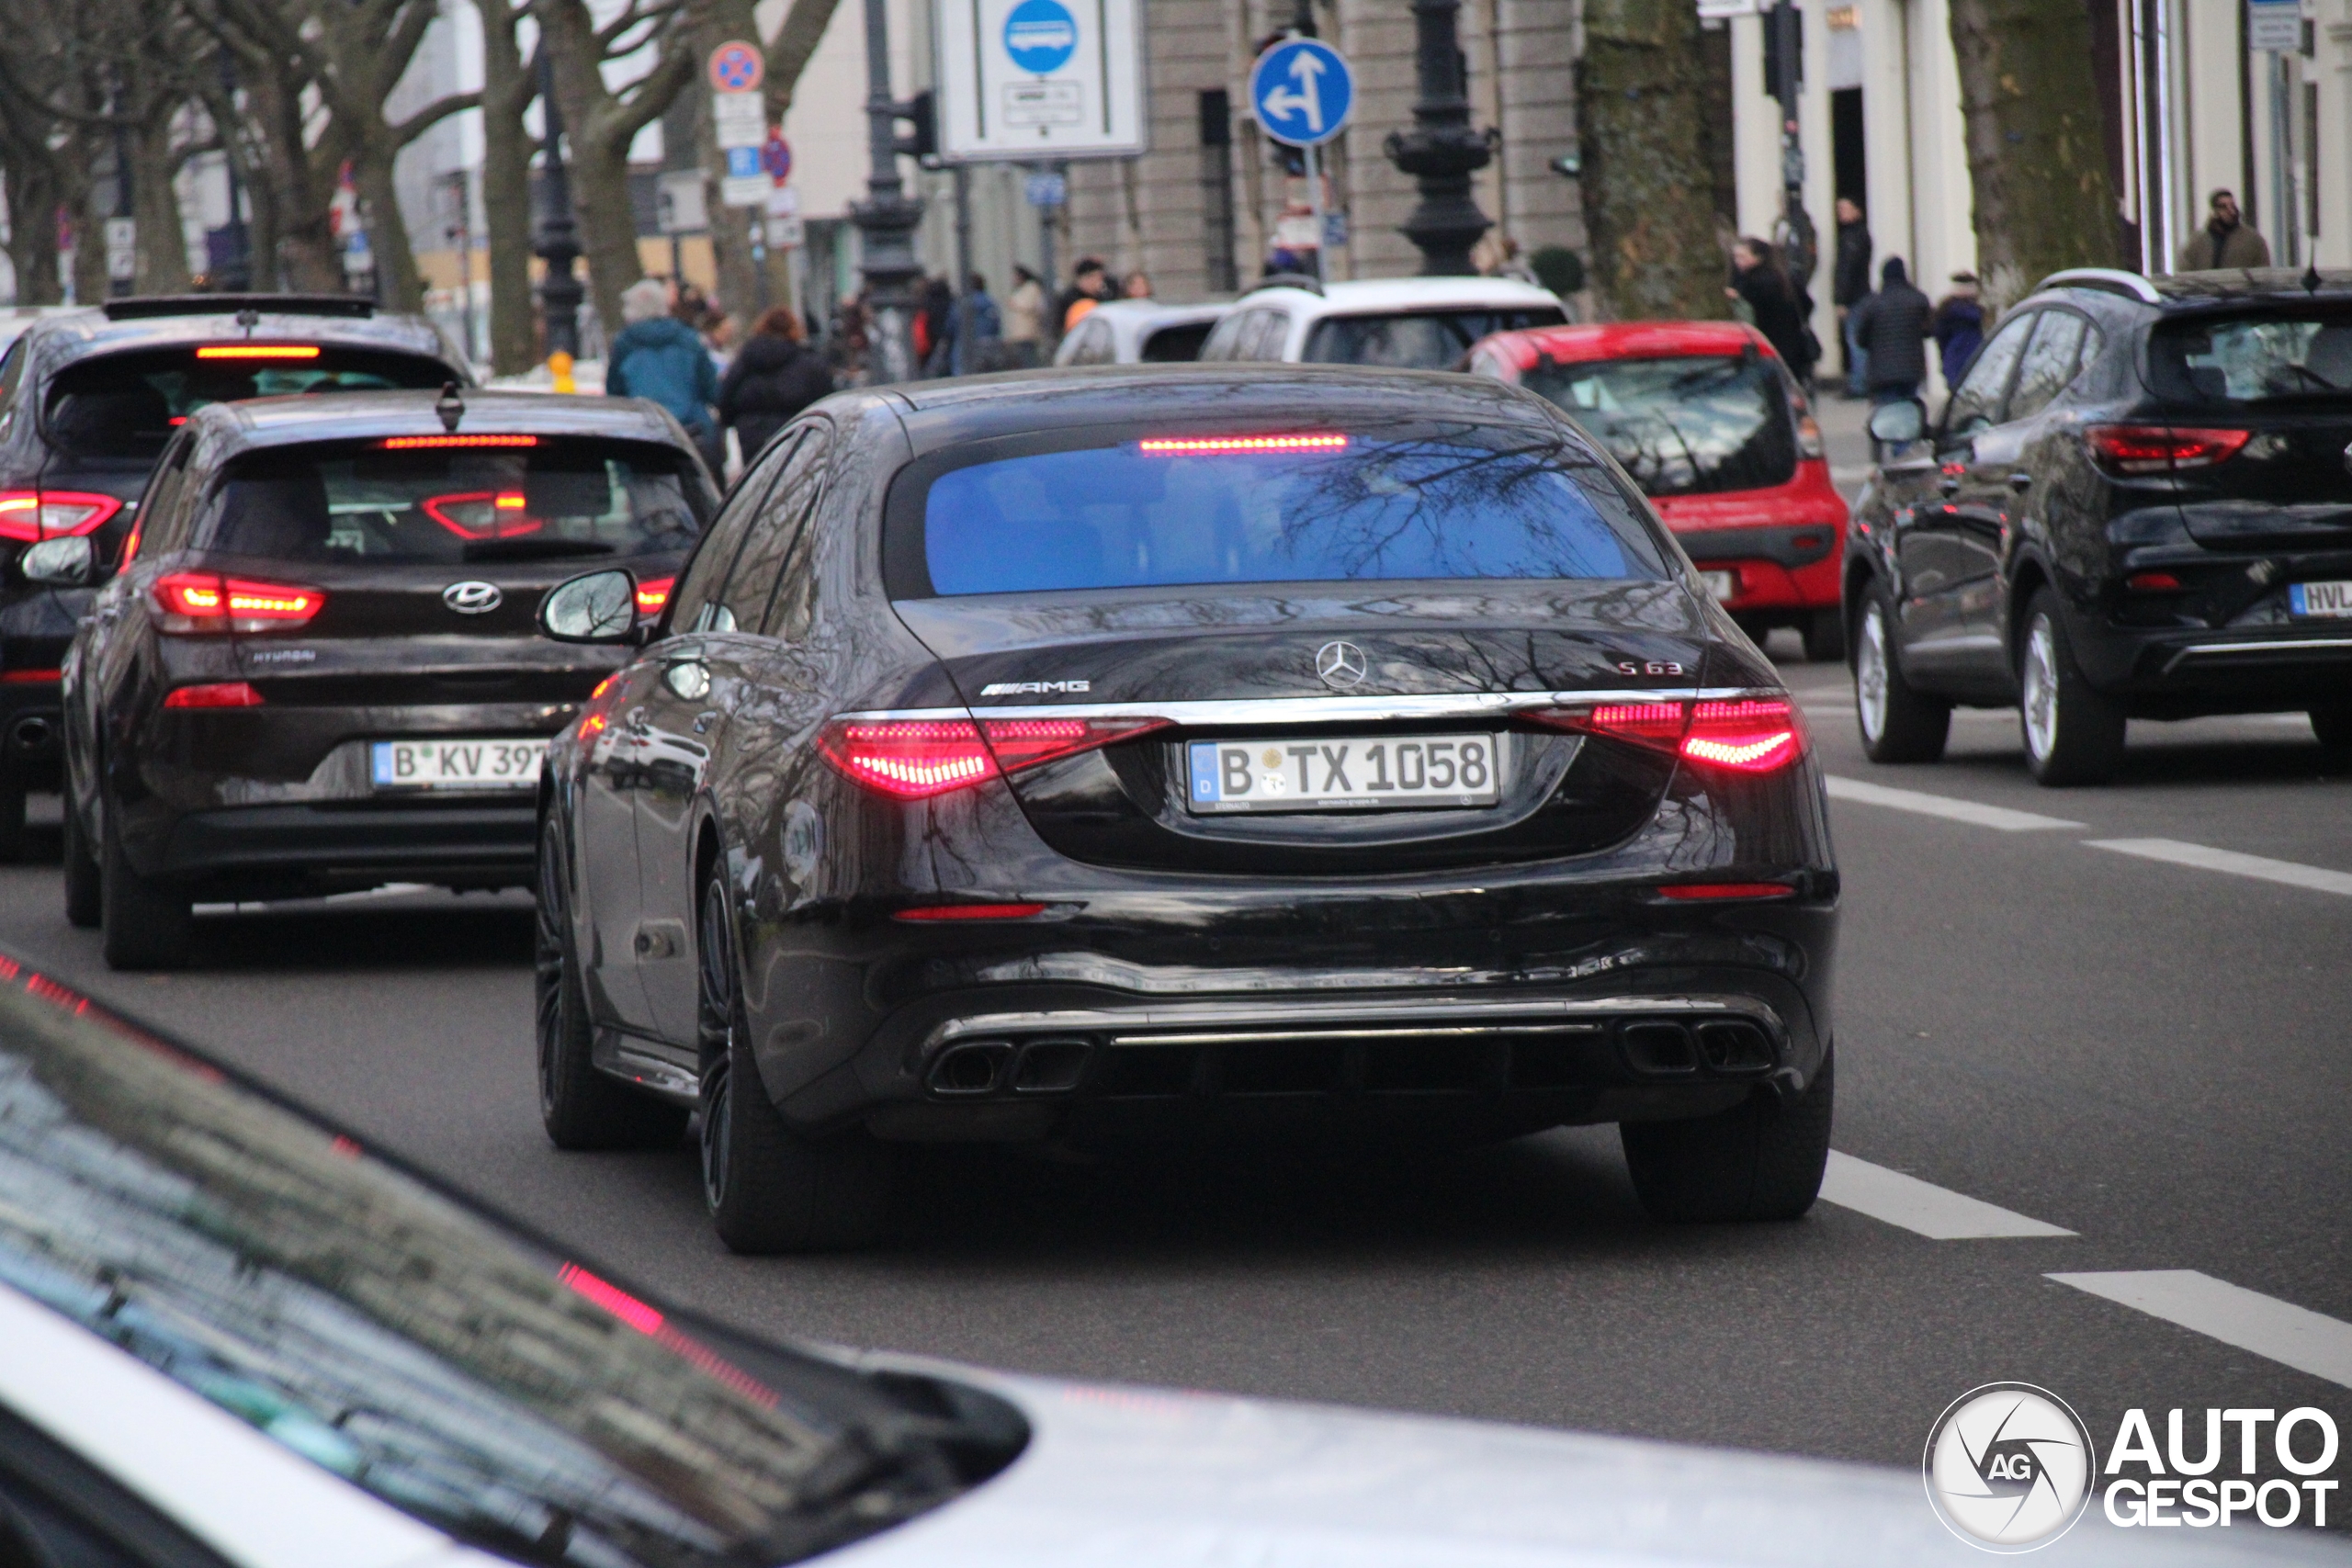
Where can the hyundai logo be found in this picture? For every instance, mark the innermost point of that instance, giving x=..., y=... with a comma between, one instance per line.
x=472, y=598
x=1342, y=664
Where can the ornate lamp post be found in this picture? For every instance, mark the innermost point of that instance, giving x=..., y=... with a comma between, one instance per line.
x=887, y=218
x=556, y=239
x=1440, y=152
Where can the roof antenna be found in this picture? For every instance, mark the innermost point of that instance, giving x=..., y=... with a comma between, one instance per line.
x=449, y=406
x=2311, y=279
x=249, y=318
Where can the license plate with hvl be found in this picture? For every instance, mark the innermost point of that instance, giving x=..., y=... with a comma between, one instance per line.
x=458, y=764
x=1344, y=774
x=2321, y=601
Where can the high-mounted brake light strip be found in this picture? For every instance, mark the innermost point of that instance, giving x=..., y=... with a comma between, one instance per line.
x=425, y=442
x=1204, y=445
x=258, y=350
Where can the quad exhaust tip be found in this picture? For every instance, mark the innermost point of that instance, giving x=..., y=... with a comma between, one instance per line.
x=983, y=1067
x=1727, y=1047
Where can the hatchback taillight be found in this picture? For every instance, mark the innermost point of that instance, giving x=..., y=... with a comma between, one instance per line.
x=2136, y=450
x=1755, y=734
x=652, y=593
x=910, y=759
x=29, y=516
x=207, y=601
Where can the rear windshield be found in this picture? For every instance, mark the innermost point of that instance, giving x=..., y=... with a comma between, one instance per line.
x=1174, y=345
x=1423, y=340
x=2253, y=359
x=1463, y=501
x=1683, y=425
x=359, y=501
x=126, y=405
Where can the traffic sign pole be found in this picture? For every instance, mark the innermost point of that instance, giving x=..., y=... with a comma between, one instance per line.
x=1315, y=199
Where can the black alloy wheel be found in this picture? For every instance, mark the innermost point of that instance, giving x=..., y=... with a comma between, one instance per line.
x=142, y=923
x=2074, y=733
x=1762, y=1159
x=12, y=817
x=2332, y=724
x=770, y=1189
x=580, y=1107
x=83, y=895
x=1824, y=636
x=1899, y=723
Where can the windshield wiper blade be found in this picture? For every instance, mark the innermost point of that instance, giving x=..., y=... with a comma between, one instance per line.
x=532, y=549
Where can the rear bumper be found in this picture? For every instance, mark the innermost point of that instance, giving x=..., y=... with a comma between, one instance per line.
x=31, y=736
x=2184, y=671
x=1782, y=567
x=284, y=850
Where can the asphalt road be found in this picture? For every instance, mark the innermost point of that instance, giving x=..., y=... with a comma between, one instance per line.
x=2148, y=1053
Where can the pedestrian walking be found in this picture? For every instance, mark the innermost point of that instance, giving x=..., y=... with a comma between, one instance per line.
x=978, y=309
x=661, y=358
x=1089, y=286
x=1892, y=326
x=2226, y=240
x=775, y=374
x=1137, y=284
x=932, y=326
x=1849, y=286
x=1024, y=320
x=1959, y=327
x=1761, y=282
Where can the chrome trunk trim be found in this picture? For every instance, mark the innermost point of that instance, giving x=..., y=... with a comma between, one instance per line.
x=1262, y=711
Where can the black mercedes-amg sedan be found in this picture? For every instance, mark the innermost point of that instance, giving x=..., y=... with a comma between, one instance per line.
x=1080, y=756
x=89, y=399
x=2135, y=505
x=317, y=670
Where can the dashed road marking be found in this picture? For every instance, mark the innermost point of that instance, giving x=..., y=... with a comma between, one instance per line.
x=2291, y=1336
x=1970, y=811
x=1922, y=1207
x=2204, y=857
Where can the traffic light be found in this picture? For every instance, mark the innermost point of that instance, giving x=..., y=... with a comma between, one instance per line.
x=922, y=120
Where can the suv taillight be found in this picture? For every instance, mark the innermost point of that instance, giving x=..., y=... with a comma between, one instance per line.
x=2137, y=450
x=1757, y=735
x=914, y=759
x=30, y=516
x=207, y=601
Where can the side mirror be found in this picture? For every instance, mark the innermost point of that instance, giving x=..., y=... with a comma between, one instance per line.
x=1897, y=424
x=69, y=562
x=599, y=606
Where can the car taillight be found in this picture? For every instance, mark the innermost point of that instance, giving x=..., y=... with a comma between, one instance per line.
x=915, y=759
x=652, y=593
x=29, y=516
x=1752, y=736
x=214, y=694
x=1808, y=437
x=206, y=602
x=2136, y=449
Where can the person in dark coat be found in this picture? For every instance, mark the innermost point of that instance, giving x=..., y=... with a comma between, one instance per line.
x=1959, y=326
x=775, y=375
x=1893, y=325
x=1850, y=285
x=1759, y=279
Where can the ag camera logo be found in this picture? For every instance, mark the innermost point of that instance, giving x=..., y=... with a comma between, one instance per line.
x=2009, y=1467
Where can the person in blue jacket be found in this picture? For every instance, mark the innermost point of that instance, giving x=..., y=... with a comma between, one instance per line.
x=660, y=358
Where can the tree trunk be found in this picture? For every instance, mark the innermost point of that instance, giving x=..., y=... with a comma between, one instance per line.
x=33, y=231
x=89, y=252
x=506, y=190
x=598, y=160
x=161, y=242
x=2036, y=151
x=1648, y=187
x=398, y=285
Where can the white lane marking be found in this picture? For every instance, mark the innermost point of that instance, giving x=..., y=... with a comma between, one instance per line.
x=2291, y=1336
x=1983, y=815
x=1922, y=1207
x=2206, y=858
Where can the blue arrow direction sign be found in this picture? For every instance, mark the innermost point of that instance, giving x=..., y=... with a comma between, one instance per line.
x=1302, y=90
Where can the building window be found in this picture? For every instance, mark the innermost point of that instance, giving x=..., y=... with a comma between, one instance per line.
x=1216, y=190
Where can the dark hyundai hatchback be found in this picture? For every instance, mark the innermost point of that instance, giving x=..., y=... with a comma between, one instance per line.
x=2136, y=505
x=318, y=670
x=1093, y=755
x=88, y=400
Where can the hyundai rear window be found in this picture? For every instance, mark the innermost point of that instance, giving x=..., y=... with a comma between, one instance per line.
x=1265, y=507
x=1685, y=425
x=377, y=502
x=2268, y=358
x=1420, y=340
x=126, y=405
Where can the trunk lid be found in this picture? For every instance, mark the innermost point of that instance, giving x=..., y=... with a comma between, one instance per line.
x=2285, y=489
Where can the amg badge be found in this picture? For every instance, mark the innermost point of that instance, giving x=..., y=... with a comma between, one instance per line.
x=1036, y=688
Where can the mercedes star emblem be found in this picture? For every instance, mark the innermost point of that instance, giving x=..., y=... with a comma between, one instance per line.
x=1342, y=664
x=472, y=598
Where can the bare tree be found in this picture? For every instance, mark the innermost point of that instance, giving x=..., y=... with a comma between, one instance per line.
x=509, y=83
x=1648, y=186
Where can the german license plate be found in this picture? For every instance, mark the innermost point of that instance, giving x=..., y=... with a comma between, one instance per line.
x=1722, y=584
x=459, y=764
x=2329, y=600
x=1346, y=774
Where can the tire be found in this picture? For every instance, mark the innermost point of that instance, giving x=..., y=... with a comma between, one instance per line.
x=769, y=1188
x=2333, y=728
x=142, y=924
x=1899, y=723
x=2074, y=734
x=84, y=897
x=1824, y=636
x=1761, y=1160
x=580, y=1107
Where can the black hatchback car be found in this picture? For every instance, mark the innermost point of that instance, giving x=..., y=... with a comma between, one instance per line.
x=1094, y=755
x=2136, y=505
x=318, y=668
x=89, y=398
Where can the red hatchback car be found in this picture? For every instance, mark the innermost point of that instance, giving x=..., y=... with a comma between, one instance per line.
x=1718, y=435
